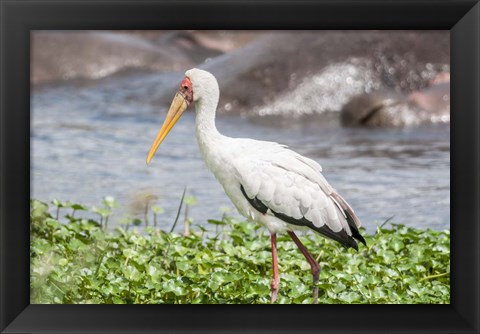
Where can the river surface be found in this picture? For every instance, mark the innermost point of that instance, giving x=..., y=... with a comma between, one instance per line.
x=90, y=141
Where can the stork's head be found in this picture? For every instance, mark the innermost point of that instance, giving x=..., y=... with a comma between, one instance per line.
x=204, y=84
x=198, y=85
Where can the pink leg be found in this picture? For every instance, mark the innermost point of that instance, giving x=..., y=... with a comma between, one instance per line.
x=275, y=279
x=313, y=264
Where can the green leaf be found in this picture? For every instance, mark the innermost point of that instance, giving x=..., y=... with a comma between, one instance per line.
x=136, y=221
x=131, y=273
x=110, y=202
x=397, y=245
x=351, y=297
x=53, y=223
x=38, y=209
x=216, y=222
x=63, y=262
x=79, y=207
x=190, y=200
x=101, y=211
x=79, y=262
x=158, y=209
x=130, y=253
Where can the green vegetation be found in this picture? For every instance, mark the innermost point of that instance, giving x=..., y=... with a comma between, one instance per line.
x=77, y=260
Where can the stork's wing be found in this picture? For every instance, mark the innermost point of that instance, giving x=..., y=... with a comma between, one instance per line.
x=291, y=187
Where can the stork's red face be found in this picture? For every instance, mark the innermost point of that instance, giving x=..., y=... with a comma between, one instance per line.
x=186, y=90
x=180, y=102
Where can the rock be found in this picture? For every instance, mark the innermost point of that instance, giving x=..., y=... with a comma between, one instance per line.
x=390, y=109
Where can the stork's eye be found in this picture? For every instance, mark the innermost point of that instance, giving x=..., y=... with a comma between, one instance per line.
x=185, y=87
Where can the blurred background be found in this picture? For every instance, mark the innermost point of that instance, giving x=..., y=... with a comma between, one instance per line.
x=372, y=107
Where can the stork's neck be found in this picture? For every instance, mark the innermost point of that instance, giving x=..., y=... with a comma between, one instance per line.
x=207, y=134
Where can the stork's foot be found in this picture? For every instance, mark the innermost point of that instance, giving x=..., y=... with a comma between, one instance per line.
x=316, y=276
x=275, y=288
x=275, y=277
x=313, y=264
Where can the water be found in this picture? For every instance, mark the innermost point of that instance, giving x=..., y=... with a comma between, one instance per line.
x=92, y=141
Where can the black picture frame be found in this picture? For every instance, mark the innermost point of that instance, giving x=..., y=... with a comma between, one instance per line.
x=19, y=17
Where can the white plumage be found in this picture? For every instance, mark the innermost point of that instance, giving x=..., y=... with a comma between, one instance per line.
x=282, y=179
x=267, y=182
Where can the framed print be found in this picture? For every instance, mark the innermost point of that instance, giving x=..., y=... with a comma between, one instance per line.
x=371, y=76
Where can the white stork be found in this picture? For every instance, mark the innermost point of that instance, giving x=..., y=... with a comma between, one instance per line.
x=266, y=182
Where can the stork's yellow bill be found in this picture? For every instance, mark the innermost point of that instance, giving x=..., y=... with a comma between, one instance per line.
x=180, y=102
